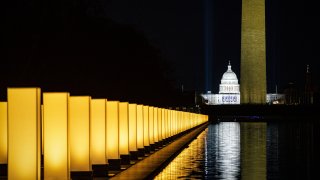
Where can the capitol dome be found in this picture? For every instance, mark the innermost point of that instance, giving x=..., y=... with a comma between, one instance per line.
x=229, y=76
x=229, y=82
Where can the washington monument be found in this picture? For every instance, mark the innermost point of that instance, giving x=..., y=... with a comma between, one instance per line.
x=253, y=53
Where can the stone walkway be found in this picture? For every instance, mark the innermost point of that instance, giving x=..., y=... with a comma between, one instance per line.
x=153, y=164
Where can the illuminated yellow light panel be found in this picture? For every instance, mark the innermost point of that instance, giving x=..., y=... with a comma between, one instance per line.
x=98, y=131
x=79, y=115
x=183, y=123
x=55, y=135
x=3, y=133
x=177, y=122
x=163, y=122
x=123, y=128
x=24, y=133
x=188, y=119
x=174, y=122
x=178, y=125
x=169, y=125
x=170, y=122
x=133, y=127
x=140, y=126
x=166, y=123
x=112, y=130
x=155, y=125
x=160, y=124
x=41, y=130
x=170, y=119
x=146, y=141
x=151, y=133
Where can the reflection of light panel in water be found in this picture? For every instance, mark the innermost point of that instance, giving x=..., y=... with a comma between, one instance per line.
x=228, y=149
x=187, y=162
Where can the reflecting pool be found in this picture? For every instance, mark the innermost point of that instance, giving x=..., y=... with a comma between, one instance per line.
x=250, y=150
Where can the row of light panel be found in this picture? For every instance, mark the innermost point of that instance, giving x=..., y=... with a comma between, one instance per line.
x=75, y=132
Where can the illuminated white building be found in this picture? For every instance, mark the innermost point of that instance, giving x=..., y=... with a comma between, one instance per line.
x=229, y=90
x=275, y=98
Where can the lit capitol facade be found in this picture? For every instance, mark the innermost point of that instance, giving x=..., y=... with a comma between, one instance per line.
x=229, y=90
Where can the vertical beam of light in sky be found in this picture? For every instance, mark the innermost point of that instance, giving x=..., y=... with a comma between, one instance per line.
x=208, y=38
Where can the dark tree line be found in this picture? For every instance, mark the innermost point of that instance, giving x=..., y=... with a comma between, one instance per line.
x=66, y=45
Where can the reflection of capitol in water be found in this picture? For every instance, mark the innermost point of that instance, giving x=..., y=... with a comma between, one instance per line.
x=229, y=90
x=214, y=154
x=226, y=145
x=227, y=150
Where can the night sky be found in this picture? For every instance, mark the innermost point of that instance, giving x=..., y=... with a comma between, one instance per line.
x=134, y=50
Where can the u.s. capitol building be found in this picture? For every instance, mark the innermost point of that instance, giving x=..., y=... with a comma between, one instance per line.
x=229, y=90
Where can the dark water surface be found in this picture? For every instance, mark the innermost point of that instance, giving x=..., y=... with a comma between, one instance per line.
x=282, y=149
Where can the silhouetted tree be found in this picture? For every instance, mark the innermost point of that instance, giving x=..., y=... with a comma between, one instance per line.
x=65, y=46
